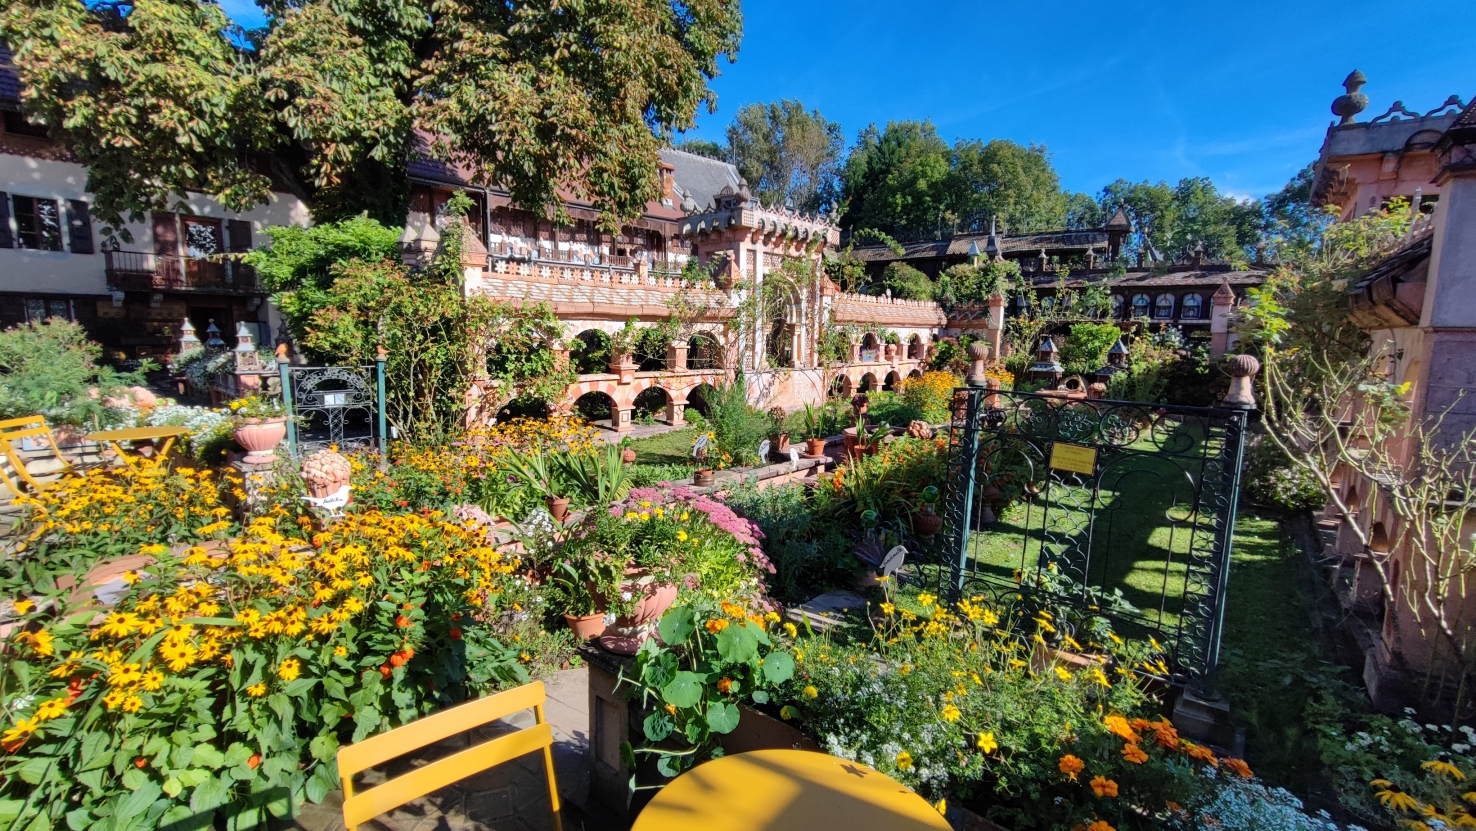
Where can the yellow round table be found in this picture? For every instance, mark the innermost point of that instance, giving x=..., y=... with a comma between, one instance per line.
x=786, y=790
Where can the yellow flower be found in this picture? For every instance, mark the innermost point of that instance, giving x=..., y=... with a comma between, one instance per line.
x=809, y=692
x=791, y=630
x=888, y=609
x=256, y=690
x=681, y=536
x=941, y=806
x=926, y=599
x=24, y=607
x=1063, y=674
x=152, y=680
x=1397, y=800
x=904, y=761
x=1441, y=764
x=951, y=713
x=22, y=730
x=41, y=641
x=341, y=651
x=1103, y=787
x=289, y=670
x=52, y=709
x=987, y=743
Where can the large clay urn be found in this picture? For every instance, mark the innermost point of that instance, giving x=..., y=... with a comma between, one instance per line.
x=260, y=436
x=628, y=632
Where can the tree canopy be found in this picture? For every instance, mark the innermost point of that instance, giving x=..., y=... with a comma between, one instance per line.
x=906, y=180
x=790, y=156
x=334, y=97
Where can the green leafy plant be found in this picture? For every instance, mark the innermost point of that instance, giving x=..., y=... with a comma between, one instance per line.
x=255, y=406
x=50, y=368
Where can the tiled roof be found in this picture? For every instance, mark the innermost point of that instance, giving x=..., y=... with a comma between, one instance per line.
x=886, y=311
x=958, y=246
x=1186, y=279
x=700, y=176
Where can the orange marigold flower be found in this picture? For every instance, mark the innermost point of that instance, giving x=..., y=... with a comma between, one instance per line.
x=1070, y=765
x=1104, y=787
x=1118, y=726
x=1200, y=752
x=1239, y=766
x=1134, y=754
x=1100, y=825
x=716, y=625
x=725, y=684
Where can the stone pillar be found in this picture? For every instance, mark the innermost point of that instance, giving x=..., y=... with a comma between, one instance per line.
x=676, y=356
x=996, y=325
x=978, y=354
x=676, y=412
x=1220, y=305
x=1448, y=314
x=621, y=418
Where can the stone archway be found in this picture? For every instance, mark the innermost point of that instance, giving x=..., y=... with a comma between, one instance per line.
x=597, y=406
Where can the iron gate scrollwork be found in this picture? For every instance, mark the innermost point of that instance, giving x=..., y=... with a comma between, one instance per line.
x=340, y=406
x=1124, y=508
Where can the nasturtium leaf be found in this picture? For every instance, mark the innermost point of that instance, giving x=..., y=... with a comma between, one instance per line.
x=677, y=625
x=778, y=667
x=658, y=726
x=193, y=777
x=659, y=671
x=685, y=690
x=722, y=717
x=669, y=766
x=81, y=819
x=695, y=730
x=737, y=645
x=760, y=697
x=758, y=632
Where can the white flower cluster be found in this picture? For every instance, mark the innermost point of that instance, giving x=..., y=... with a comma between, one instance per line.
x=1239, y=805
x=205, y=425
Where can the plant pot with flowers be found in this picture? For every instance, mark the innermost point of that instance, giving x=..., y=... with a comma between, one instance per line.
x=260, y=425
x=635, y=557
x=778, y=435
x=538, y=472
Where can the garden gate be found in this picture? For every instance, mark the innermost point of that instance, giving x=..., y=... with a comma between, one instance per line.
x=1118, y=509
x=341, y=406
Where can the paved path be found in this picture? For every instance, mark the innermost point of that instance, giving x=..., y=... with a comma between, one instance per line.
x=510, y=797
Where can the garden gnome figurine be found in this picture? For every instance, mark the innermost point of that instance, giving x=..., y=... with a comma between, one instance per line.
x=1242, y=394
x=978, y=354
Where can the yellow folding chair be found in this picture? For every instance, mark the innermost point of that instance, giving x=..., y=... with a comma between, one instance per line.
x=377, y=750
x=26, y=427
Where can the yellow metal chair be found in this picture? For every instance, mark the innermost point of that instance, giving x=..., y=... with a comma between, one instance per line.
x=377, y=750
x=26, y=427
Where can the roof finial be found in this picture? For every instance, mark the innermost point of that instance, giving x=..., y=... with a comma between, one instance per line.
x=1352, y=102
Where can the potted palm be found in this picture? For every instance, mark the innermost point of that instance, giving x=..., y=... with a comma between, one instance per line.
x=260, y=425
x=537, y=471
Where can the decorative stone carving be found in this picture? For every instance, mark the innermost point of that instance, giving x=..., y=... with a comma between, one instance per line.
x=978, y=355
x=325, y=472
x=1242, y=394
x=1352, y=102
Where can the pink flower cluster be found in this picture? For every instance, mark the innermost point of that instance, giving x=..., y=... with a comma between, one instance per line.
x=745, y=531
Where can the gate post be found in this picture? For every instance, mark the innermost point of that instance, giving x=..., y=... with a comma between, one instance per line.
x=380, y=356
x=284, y=370
x=958, y=509
x=1234, y=458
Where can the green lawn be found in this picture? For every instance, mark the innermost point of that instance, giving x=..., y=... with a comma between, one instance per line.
x=673, y=448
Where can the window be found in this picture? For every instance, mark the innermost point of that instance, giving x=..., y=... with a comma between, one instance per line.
x=37, y=223
x=202, y=237
x=1117, y=304
x=1163, y=307
x=1192, y=306
x=1140, y=305
x=38, y=310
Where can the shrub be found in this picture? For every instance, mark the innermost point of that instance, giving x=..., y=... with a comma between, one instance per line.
x=50, y=368
x=1085, y=350
x=1270, y=479
x=736, y=427
x=931, y=394
x=210, y=435
x=907, y=282
x=810, y=555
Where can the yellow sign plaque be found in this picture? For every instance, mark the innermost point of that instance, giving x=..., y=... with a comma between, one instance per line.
x=1074, y=458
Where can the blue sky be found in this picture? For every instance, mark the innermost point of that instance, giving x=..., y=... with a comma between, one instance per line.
x=1141, y=90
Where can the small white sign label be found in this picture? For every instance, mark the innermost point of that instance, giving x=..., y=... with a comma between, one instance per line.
x=700, y=444
x=335, y=399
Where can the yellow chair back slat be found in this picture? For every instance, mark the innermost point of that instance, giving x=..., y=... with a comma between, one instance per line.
x=436, y=775
x=377, y=750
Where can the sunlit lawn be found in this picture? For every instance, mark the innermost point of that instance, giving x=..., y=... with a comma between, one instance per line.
x=671, y=448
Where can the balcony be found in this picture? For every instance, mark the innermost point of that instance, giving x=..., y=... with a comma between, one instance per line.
x=142, y=271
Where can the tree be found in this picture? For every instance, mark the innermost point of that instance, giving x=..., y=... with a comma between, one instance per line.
x=789, y=156
x=1083, y=211
x=1293, y=225
x=897, y=179
x=1171, y=221
x=157, y=97
x=704, y=147
x=906, y=282
x=1005, y=180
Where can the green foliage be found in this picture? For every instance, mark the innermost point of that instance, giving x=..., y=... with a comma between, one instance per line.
x=811, y=555
x=905, y=180
x=906, y=282
x=1085, y=349
x=156, y=99
x=710, y=658
x=50, y=368
x=1170, y=221
x=736, y=426
x=788, y=155
x=298, y=264
x=963, y=284
x=704, y=147
x=1271, y=479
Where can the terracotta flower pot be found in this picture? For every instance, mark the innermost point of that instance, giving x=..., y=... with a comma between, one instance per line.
x=586, y=627
x=626, y=635
x=815, y=447
x=261, y=436
x=703, y=479
x=779, y=444
x=558, y=507
x=628, y=455
x=852, y=443
x=927, y=523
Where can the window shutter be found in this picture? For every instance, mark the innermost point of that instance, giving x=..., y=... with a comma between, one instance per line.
x=5, y=239
x=166, y=234
x=79, y=226
x=238, y=241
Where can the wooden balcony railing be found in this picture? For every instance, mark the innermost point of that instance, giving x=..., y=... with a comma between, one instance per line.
x=142, y=271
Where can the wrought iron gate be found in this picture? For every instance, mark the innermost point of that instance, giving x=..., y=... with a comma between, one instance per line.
x=1124, y=508
x=341, y=406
